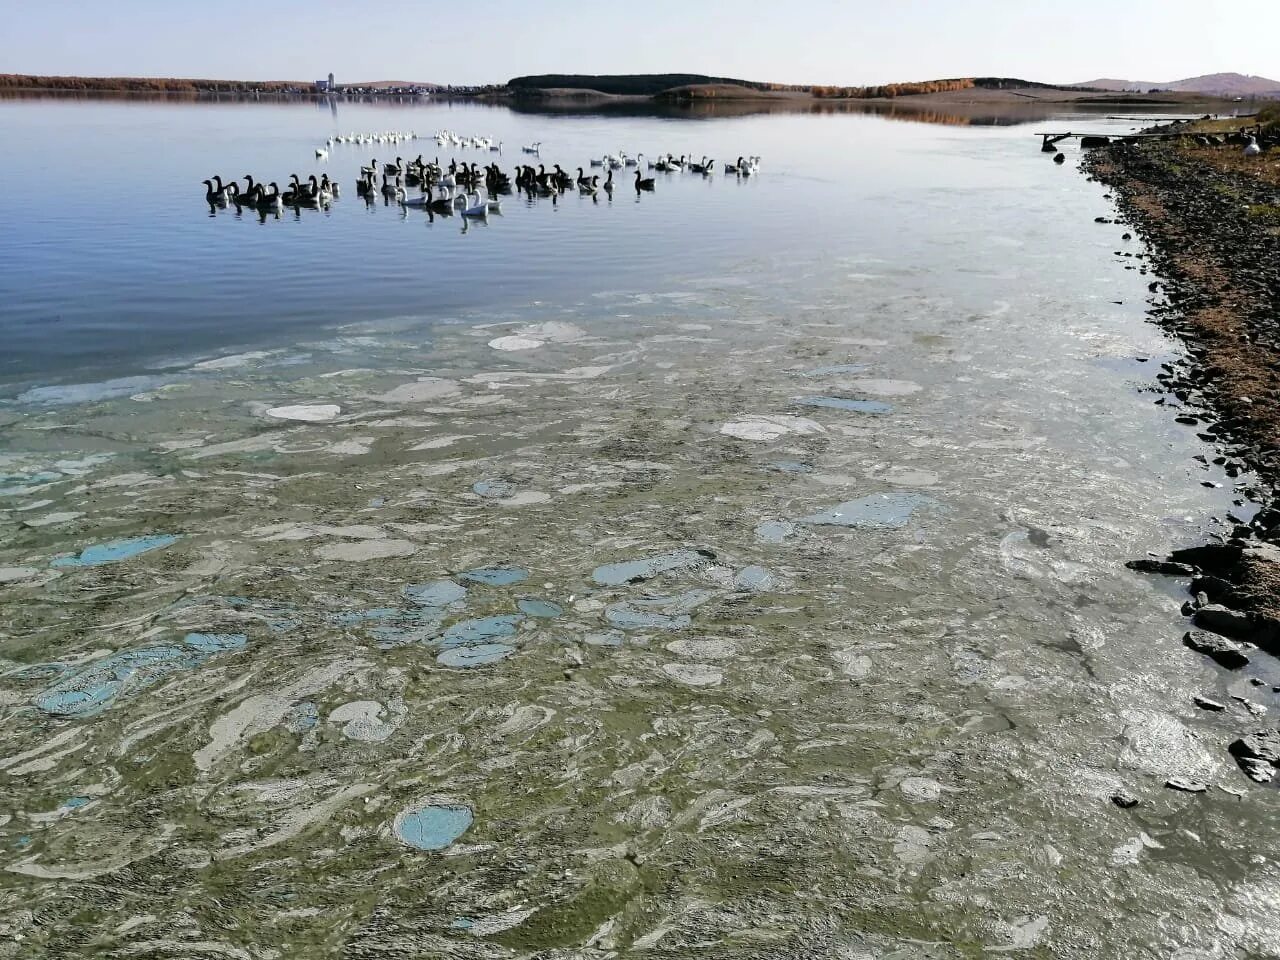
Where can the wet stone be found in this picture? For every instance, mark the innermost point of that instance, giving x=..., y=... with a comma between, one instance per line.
x=1183, y=785
x=1124, y=799
x=1223, y=620
x=1204, y=703
x=432, y=827
x=1258, y=754
x=1227, y=653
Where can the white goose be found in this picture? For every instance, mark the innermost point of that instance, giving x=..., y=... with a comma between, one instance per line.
x=1251, y=149
x=478, y=210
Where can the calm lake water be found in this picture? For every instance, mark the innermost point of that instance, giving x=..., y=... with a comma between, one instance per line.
x=734, y=570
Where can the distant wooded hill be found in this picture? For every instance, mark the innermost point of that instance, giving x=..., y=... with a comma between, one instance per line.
x=634, y=84
x=688, y=84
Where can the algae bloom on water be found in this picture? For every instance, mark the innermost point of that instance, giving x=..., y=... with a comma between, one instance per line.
x=116, y=550
x=432, y=827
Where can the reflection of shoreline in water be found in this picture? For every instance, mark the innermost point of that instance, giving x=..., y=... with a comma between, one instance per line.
x=950, y=114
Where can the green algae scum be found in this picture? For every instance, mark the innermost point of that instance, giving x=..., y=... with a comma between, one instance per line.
x=776, y=612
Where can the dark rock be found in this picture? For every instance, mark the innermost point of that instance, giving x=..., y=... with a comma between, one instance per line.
x=1209, y=556
x=1186, y=786
x=1060, y=158
x=1224, y=652
x=1204, y=703
x=1223, y=620
x=1258, y=754
x=1151, y=565
x=1215, y=589
x=1124, y=799
x=1189, y=421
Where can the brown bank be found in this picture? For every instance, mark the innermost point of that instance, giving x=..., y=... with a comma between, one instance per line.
x=1208, y=206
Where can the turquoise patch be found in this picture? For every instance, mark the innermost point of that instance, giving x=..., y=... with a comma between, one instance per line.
x=116, y=551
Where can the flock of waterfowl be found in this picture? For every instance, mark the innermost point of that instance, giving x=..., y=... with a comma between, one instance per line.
x=456, y=188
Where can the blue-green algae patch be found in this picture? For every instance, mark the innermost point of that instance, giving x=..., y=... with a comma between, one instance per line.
x=637, y=571
x=432, y=827
x=480, y=655
x=215, y=642
x=850, y=405
x=877, y=511
x=496, y=576
x=480, y=630
x=441, y=593
x=116, y=550
x=541, y=609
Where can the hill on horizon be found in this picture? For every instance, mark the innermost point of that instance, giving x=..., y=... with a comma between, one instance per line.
x=1221, y=84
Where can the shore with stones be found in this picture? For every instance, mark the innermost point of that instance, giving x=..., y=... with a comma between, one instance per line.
x=1210, y=217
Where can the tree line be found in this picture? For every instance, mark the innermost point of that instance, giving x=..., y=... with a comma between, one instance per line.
x=889, y=91
x=21, y=81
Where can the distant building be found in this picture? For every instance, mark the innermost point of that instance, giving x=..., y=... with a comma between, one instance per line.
x=326, y=86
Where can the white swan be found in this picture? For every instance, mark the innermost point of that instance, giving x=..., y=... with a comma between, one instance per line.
x=322, y=154
x=1252, y=149
x=533, y=147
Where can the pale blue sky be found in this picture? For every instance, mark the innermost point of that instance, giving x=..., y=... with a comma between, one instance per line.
x=789, y=41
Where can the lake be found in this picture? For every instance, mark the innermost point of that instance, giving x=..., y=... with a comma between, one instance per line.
x=732, y=570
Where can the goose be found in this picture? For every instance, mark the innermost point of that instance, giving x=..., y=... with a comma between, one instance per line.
x=393, y=168
x=248, y=191
x=643, y=184
x=495, y=148
x=608, y=183
x=589, y=186
x=269, y=201
x=441, y=204
x=215, y=197
x=322, y=154
x=583, y=178
x=734, y=167
x=407, y=201
x=477, y=210
x=704, y=167
x=1251, y=149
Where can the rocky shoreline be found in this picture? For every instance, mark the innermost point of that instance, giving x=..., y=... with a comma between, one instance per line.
x=1212, y=229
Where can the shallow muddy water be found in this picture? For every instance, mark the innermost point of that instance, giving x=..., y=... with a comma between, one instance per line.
x=767, y=605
